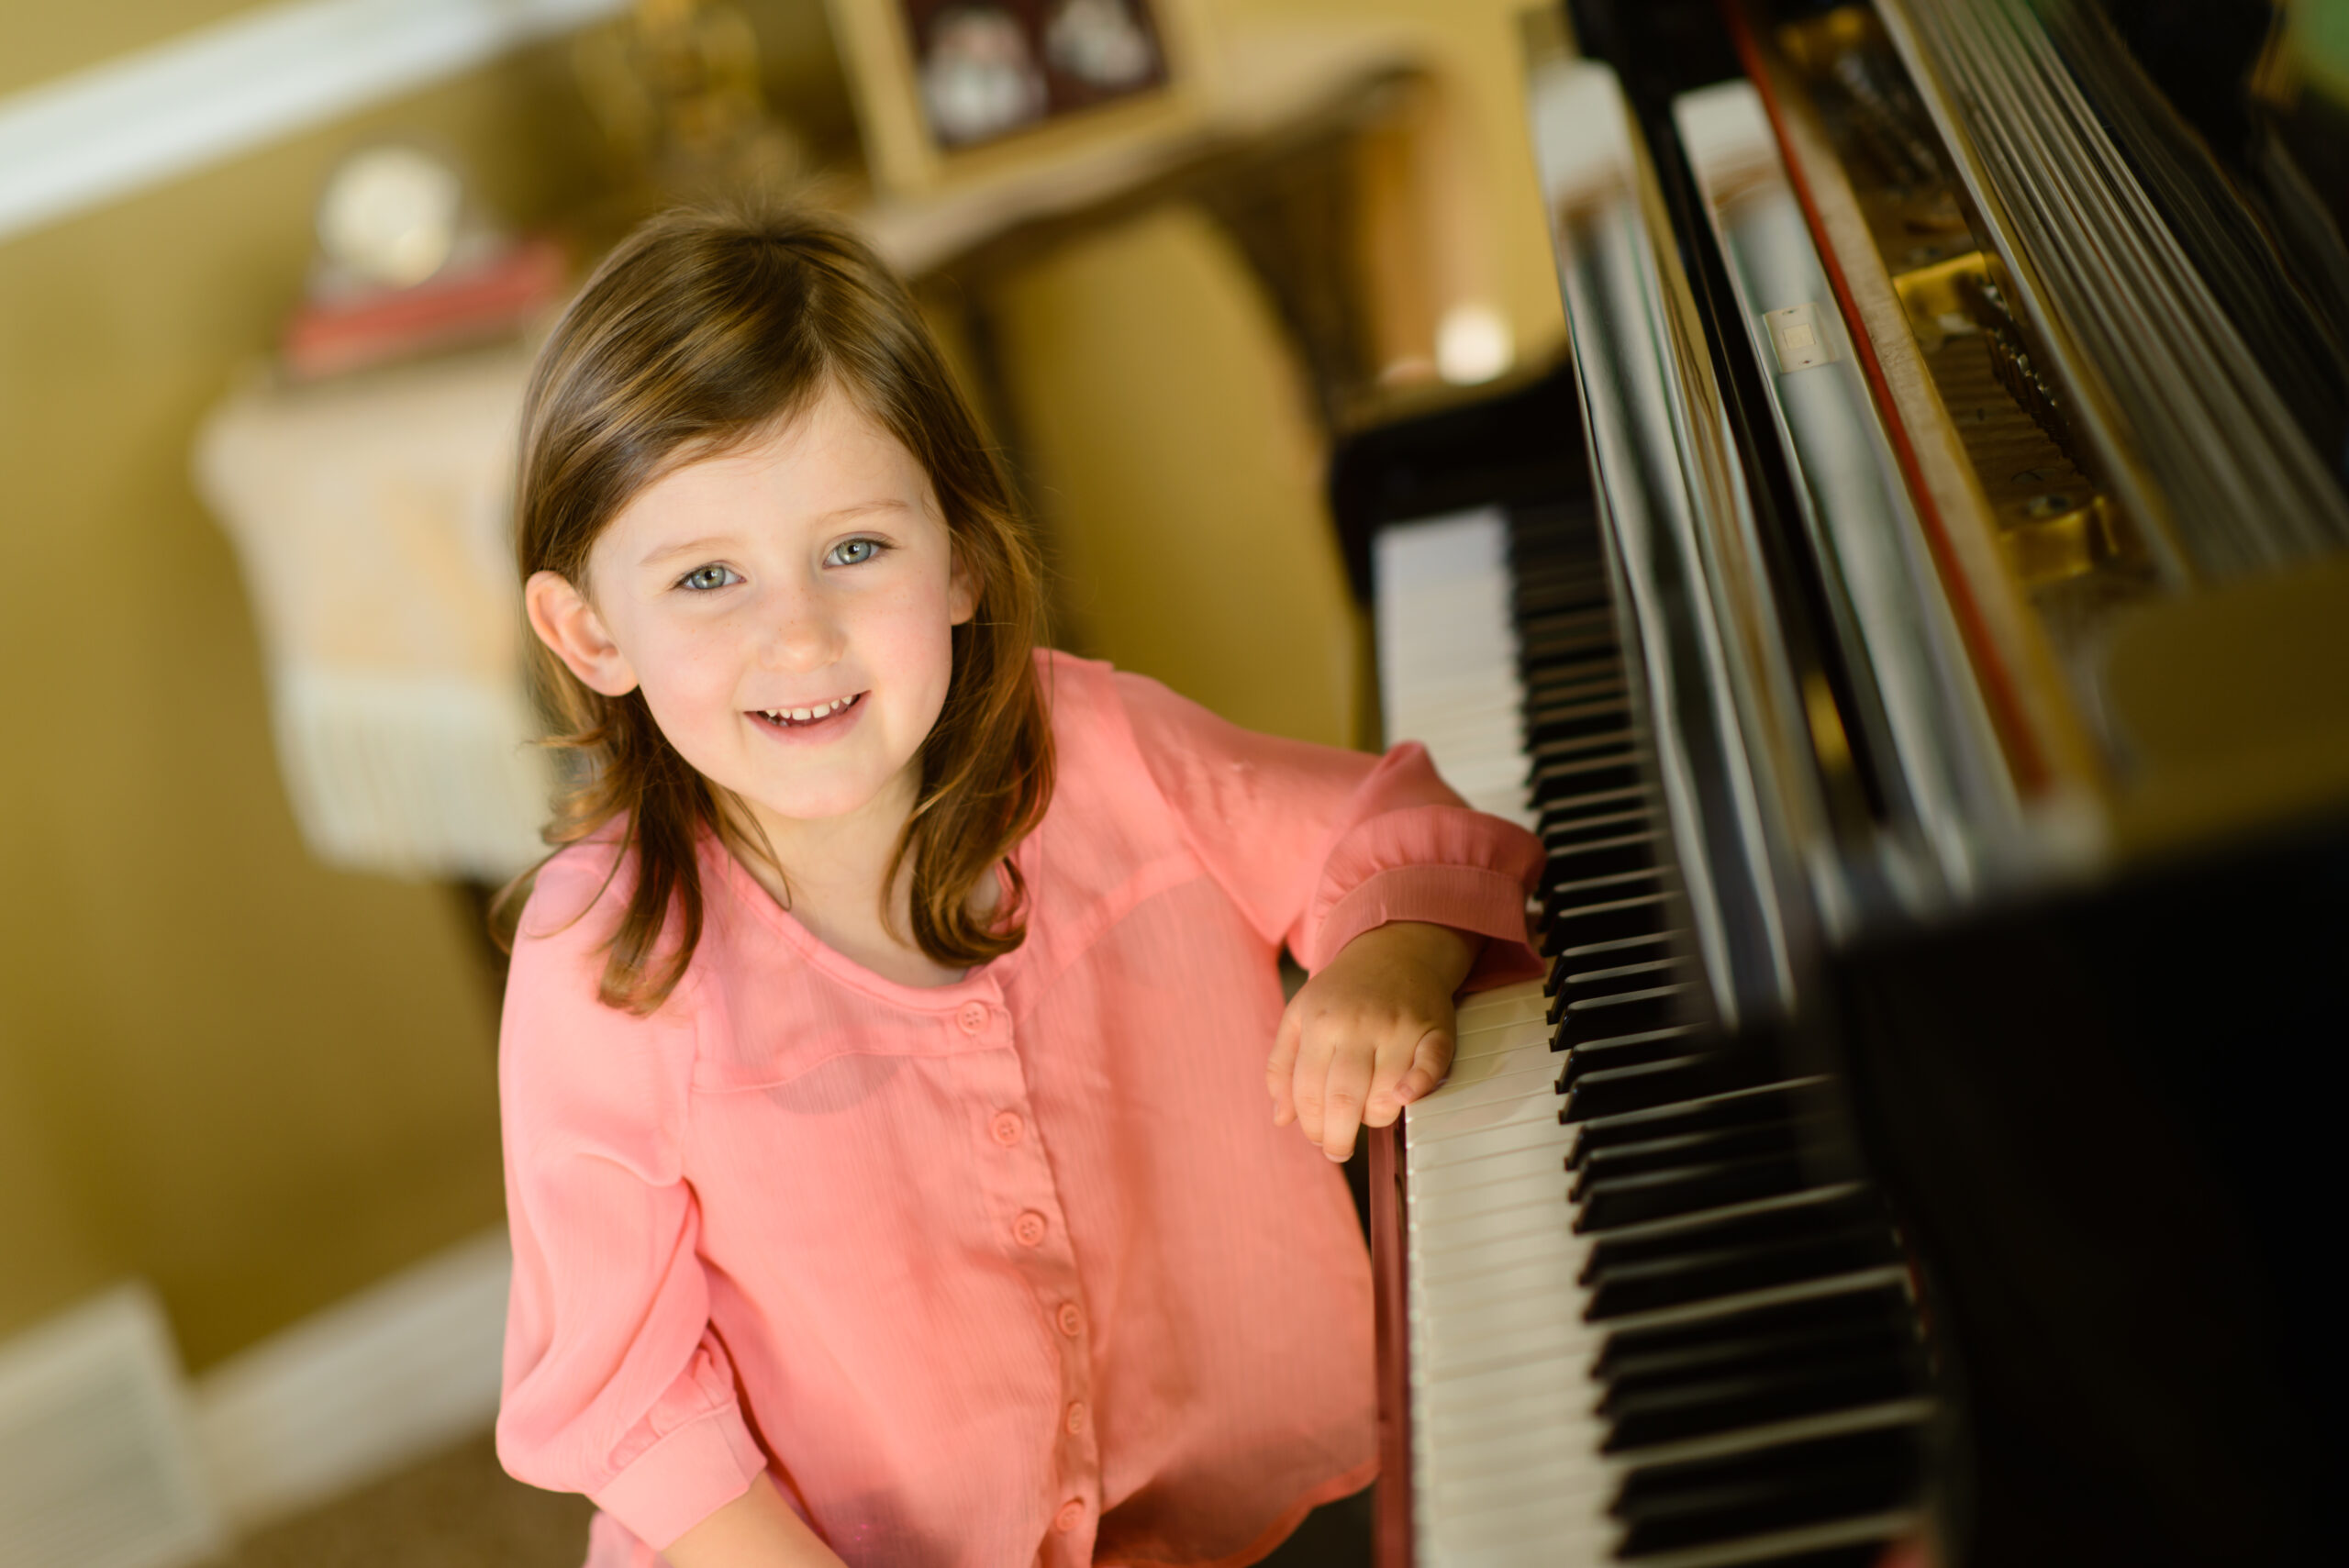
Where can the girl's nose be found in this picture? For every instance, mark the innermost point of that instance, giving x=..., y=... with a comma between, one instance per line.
x=801, y=635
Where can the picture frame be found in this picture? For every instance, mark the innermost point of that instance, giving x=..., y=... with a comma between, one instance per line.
x=956, y=91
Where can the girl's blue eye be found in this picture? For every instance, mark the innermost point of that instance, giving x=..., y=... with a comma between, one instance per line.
x=853, y=552
x=702, y=579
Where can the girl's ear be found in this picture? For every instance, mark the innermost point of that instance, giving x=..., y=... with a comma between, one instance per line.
x=569, y=624
x=961, y=591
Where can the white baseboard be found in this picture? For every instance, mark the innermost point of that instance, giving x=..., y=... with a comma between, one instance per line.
x=358, y=1390
x=97, y=1468
x=256, y=76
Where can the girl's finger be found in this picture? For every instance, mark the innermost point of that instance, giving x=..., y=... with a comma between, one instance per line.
x=1280, y=1068
x=1344, y=1096
x=1394, y=1056
x=1431, y=1060
x=1316, y=1044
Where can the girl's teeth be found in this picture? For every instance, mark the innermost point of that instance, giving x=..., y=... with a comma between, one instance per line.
x=806, y=715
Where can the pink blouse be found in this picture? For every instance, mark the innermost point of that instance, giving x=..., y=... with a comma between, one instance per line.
x=1015, y=1270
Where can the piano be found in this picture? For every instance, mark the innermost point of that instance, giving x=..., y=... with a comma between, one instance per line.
x=1916, y=621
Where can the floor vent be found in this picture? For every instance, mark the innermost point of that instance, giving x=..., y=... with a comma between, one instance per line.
x=96, y=1470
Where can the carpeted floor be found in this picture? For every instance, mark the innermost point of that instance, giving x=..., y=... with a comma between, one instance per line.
x=458, y=1509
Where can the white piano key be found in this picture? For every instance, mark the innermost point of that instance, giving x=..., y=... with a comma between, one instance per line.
x=1431, y=1155
x=1471, y=1122
x=1535, y=1032
x=1547, y=1184
x=1539, y=1159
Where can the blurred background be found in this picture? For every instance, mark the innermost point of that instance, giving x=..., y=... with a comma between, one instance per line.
x=270, y=276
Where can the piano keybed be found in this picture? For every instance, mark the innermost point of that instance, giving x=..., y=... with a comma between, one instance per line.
x=1652, y=1318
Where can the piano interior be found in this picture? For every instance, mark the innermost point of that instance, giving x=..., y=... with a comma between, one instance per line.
x=1917, y=621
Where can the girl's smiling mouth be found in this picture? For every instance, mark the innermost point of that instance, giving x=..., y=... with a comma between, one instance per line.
x=822, y=713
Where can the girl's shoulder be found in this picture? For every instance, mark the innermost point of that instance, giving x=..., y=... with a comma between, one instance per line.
x=1095, y=752
x=577, y=893
x=563, y=937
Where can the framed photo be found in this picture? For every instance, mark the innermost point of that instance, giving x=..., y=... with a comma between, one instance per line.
x=953, y=89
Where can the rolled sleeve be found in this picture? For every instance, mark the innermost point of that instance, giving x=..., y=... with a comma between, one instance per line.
x=683, y=1477
x=1318, y=845
x=1446, y=866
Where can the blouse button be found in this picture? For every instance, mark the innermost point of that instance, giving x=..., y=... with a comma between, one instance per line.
x=1028, y=1230
x=1076, y=1418
x=1071, y=1321
x=972, y=1017
x=1007, y=1128
x=1071, y=1514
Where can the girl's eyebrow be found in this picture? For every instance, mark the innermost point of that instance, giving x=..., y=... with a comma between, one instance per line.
x=719, y=542
x=690, y=546
x=885, y=504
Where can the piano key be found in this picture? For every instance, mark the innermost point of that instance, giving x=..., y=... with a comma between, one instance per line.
x=1681, y=1148
x=1829, y=1468
x=1736, y=1108
x=1607, y=920
x=1588, y=1013
x=1639, y=1046
x=1645, y=1341
x=1696, y=1189
x=1609, y=1090
x=1753, y=1397
x=1826, y=1344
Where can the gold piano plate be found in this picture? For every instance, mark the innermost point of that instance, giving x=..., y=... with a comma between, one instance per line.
x=1966, y=376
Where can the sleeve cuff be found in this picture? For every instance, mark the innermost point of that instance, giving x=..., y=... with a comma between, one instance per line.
x=684, y=1478
x=1466, y=898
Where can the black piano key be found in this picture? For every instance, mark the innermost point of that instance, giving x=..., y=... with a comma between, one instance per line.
x=1592, y=1009
x=1562, y=821
x=1709, y=1276
x=1573, y=731
x=1559, y=587
x=1829, y=1345
x=1818, y=1211
x=1609, y=919
x=1585, y=778
x=1559, y=642
x=1551, y=680
x=1663, y=1195
x=1600, y=855
x=1560, y=692
x=1593, y=1054
x=1619, y=1089
x=1866, y=1553
x=1756, y=1398
x=1564, y=813
x=1737, y=1107
x=1671, y=968
x=1597, y=728
x=1603, y=884
x=1633, y=1350
x=1587, y=1013
x=1681, y=1148
x=1850, y=1475
x=1563, y=835
x=1568, y=628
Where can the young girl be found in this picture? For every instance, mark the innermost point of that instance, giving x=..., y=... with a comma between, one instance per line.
x=884, y=1052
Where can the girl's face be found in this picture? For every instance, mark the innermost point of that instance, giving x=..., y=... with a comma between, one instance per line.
x=786, y=608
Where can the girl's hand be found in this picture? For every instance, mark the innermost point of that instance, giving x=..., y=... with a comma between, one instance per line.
x=757, y=1530
x=1369, y=1033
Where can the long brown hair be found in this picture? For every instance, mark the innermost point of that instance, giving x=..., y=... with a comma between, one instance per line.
x=702, y=329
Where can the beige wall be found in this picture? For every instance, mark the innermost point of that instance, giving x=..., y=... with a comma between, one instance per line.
x=258, y=1083
x=1168, y=445
x=1475, y=46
